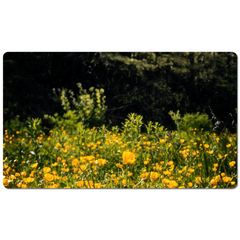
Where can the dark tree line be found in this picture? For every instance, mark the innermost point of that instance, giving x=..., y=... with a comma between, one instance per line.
x=150, y=84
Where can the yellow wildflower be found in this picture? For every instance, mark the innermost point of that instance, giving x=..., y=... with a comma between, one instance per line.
x=75, y=163
x=231, y=164
x=227, y=179
x=23, y=174
x=101, y=162
x=34, y=165
x=46, y=169
x=128, y=157
x=48, y=177
x=198, y=180
x=83, y=167
x=154, y=176
x=54, y=164
x=80, y=183
x=97, y=185
x=144, y=175
x=118, y=165
x=124, y=182
x=5, y=182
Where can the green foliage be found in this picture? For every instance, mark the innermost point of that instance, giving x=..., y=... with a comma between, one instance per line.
x=132, y=125
x=88, y=108
x=191, y=121
x=176, y=117
x=14, y=125
x=34, y=127
x=147, y=83
x=155, y=130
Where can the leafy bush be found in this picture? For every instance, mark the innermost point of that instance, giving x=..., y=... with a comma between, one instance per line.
x=88, y=108
x=191, y=121
x=14, y=124
x=132, y=125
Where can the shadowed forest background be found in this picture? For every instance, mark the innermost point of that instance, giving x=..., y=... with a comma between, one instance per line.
x=148, y=84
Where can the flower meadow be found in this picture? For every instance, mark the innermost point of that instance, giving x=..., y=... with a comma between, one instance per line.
x=125, y=157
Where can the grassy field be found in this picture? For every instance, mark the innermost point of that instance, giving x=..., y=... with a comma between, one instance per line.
x=119, y=158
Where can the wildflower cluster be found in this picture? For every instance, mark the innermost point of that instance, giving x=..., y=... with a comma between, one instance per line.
x=119, y=158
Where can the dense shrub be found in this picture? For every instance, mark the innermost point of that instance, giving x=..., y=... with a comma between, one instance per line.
x=190, y=121
x=88, y=108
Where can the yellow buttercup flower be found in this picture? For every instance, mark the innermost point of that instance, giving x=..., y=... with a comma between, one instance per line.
x=55, y=164
x=101, y=162
x=118, y=165
x=144, y=175
x=28, y=180
x=23, y=174
x=172, y=184
x=231, y=164
x=191, y=170
x=80, y=183
x=5, y=182
x=65, y=178
x=48, y=177
x=198, y=180
x=97, y=185
x=75, y=163
x=165, y=181
x=83, y=167
x=227, y=179
x=34, y=165
x=154, y=176
x=128, y=158
x=124, y=182
x=17, y=175
x=46, y=169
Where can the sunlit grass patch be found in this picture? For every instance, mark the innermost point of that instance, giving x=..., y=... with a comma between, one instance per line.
x=119, y=158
